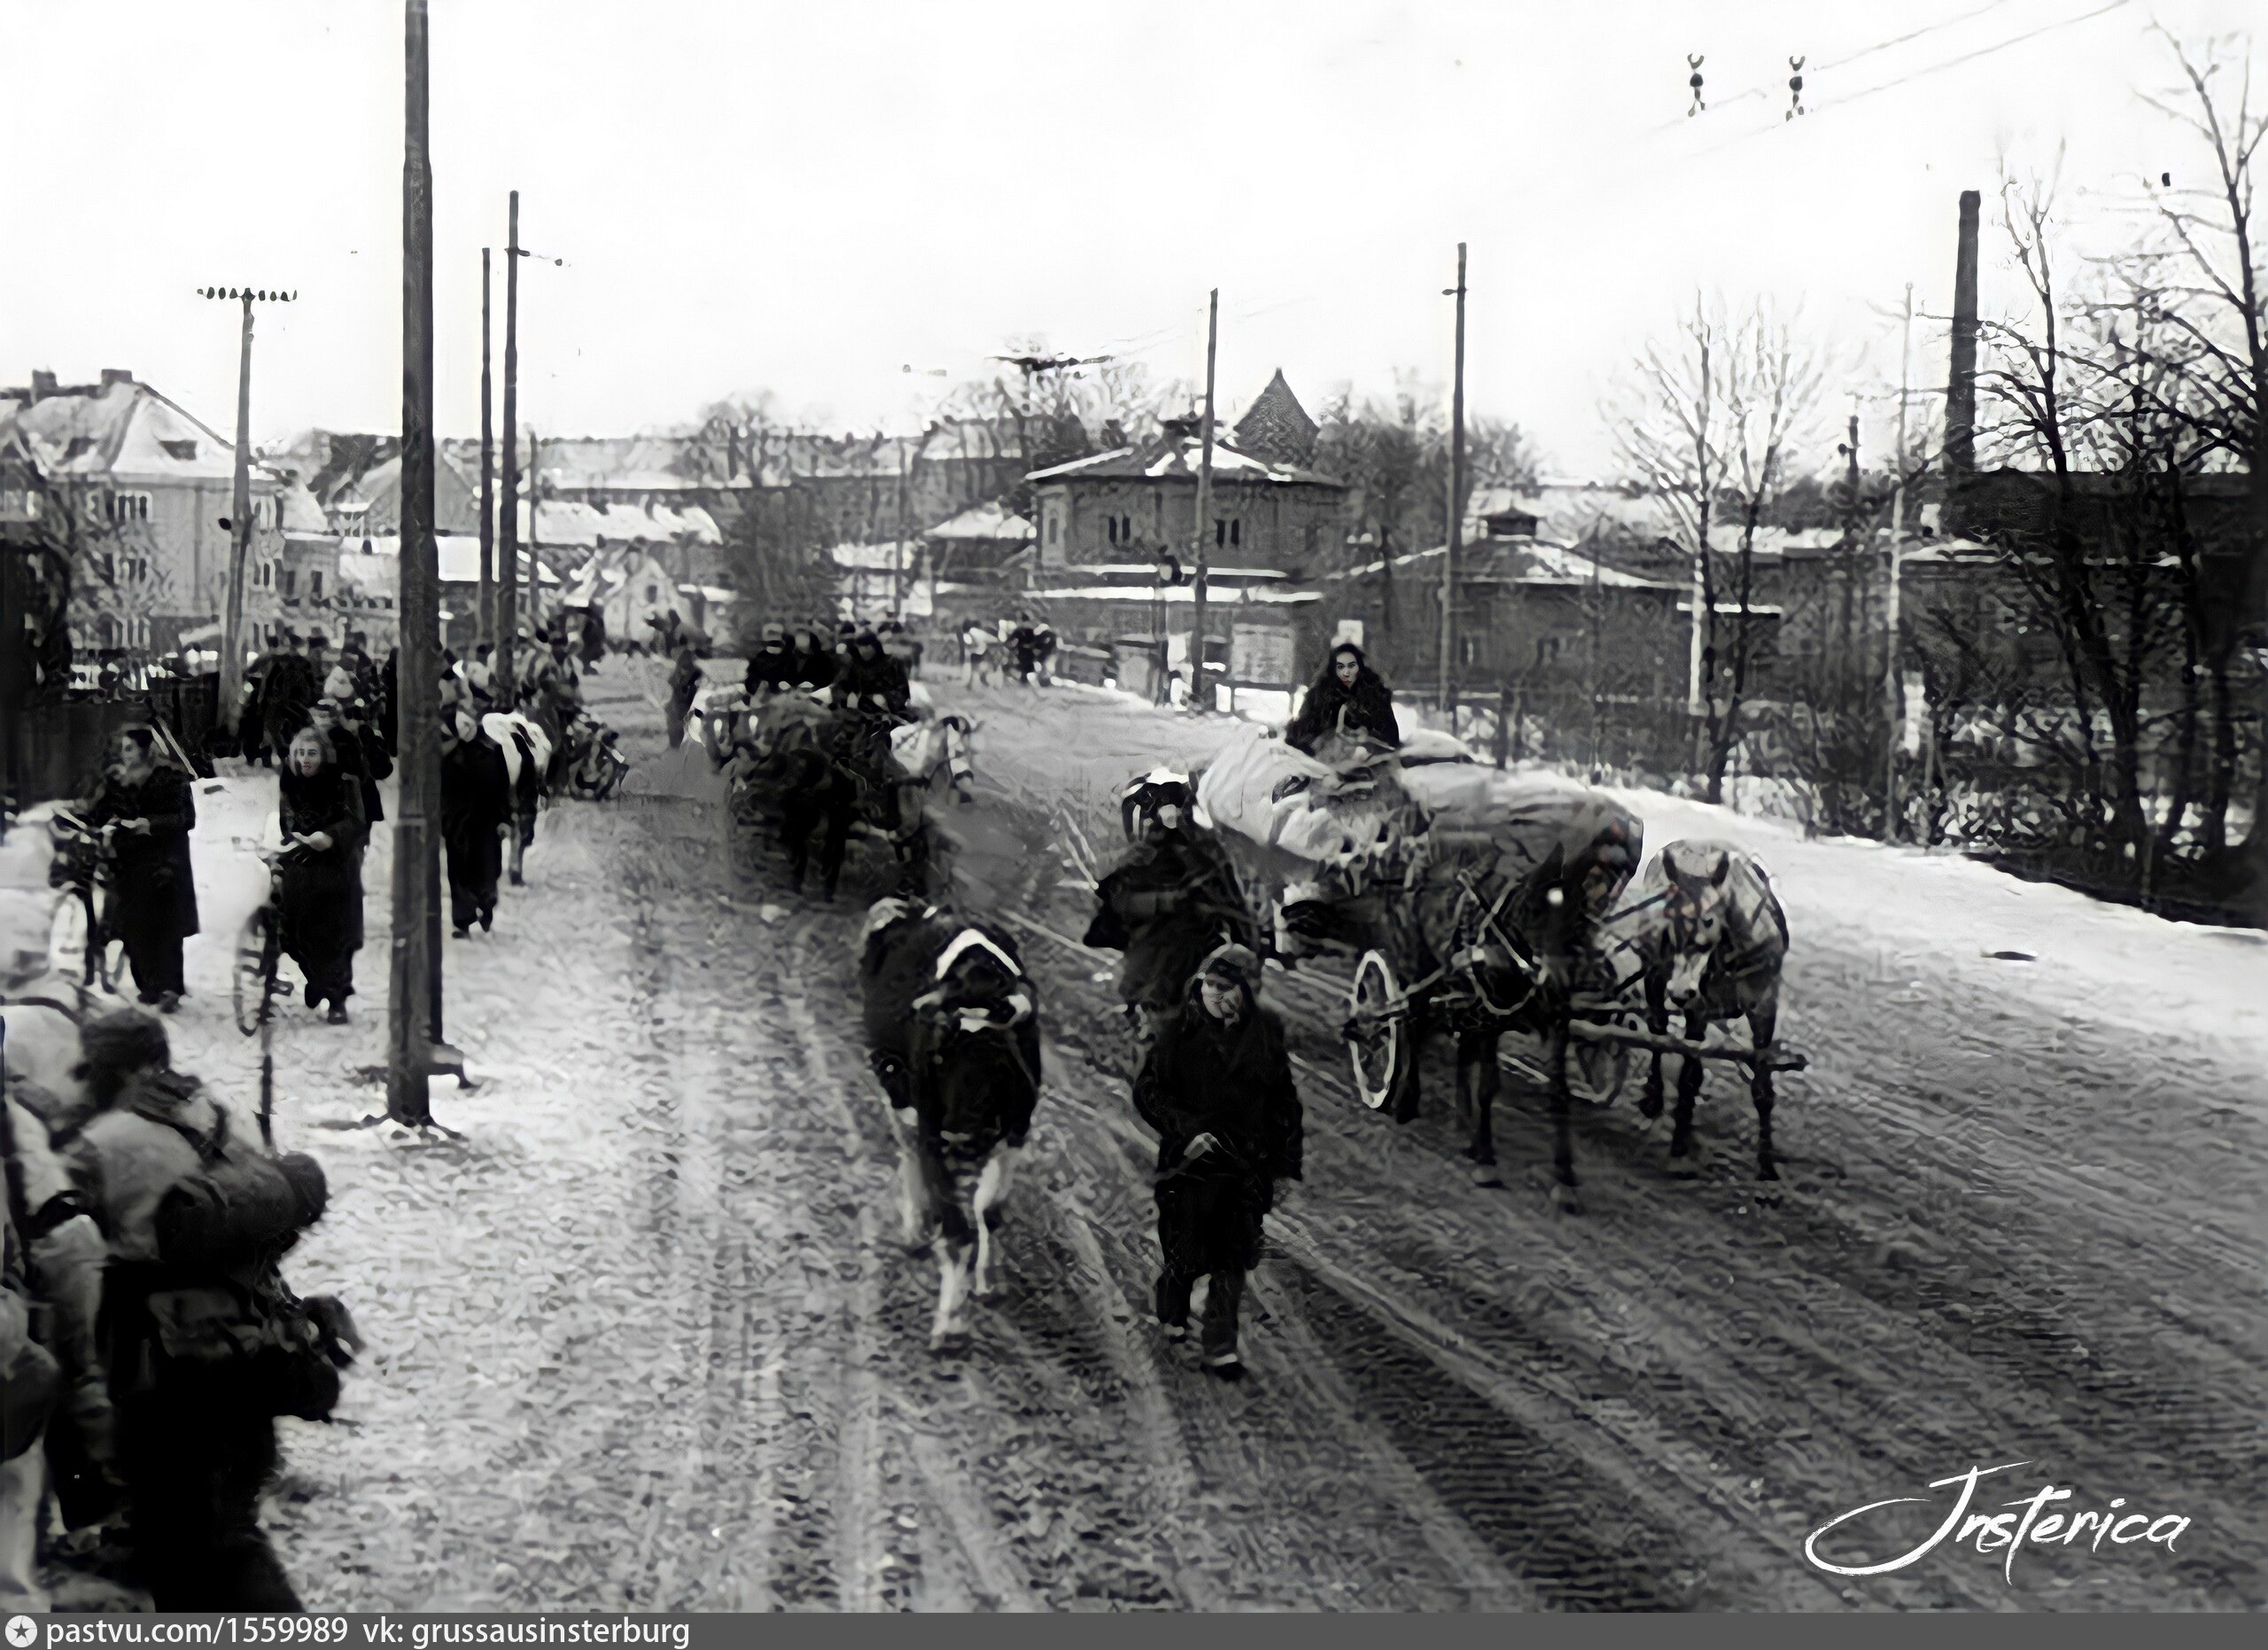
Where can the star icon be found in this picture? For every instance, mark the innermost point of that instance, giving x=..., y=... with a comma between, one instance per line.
x=21, y=1630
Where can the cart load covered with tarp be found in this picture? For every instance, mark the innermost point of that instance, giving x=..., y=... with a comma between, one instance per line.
x=1353, y=816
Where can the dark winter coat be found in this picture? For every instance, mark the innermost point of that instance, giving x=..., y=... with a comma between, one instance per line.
x=476, y=799
x=685, y=680
x=771, y=665
x=286, y=694
x=878, y=675
x=156, y=882
x=1368, y=704
x=367, y=760
x=322, y=890
x=1167, y=905
x=1233, y=1083
x=811, y=668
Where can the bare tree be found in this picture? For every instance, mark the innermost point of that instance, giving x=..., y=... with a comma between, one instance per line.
x=1711, y=424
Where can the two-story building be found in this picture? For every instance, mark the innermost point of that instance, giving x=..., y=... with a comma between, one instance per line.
x=1138, y=503
x=149, y=490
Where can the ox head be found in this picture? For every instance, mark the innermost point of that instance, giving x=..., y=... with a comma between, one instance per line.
x=1696, y=909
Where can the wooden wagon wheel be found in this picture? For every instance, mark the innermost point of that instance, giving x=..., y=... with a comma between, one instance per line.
x=1378, y=1039
x=1596, y=1069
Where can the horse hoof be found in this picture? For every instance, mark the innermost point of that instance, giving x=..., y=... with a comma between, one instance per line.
x=1487, y=1176
x=949, y=1343
x=995, y=1219
x=1766, y=1172
x=1650, y=1107
x=1566, y=1199
x=990, y=1292
x=917, y=1248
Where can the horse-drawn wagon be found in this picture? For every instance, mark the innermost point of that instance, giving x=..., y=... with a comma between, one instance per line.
x=1484, y=903
x=802, y=766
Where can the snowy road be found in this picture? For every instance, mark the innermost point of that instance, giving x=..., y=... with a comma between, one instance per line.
x=643, y=1340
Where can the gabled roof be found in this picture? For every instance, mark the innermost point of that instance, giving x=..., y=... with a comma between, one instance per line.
x=374, y=501
x=122, y=431
x=1277, y=427
x=1178, y=455
x=1526, y=562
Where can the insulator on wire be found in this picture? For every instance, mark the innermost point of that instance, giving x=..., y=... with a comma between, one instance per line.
x=1795, y=88
x=1694, y=63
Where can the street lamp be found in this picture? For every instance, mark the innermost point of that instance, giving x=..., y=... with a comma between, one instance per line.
x=239, y=519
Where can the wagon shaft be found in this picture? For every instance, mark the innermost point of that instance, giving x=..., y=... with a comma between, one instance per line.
x=1776, y=1057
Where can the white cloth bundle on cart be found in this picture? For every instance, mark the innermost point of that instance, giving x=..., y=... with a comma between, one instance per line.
x=1266, y=791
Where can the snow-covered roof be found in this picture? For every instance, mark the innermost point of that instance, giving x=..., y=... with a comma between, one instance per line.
x=1525, y=561
x=1180, y=595
x=1181, y=455
x=572, y=523
x=457, y=556
x=124, y=431
x=874, y=557
x=983, y=521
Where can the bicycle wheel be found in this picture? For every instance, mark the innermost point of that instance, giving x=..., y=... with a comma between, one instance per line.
x=253, y=970
x=67, y=932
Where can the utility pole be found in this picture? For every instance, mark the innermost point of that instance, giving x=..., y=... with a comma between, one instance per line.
x=535, y=568
x=410, y=1029
x=487, y=474
x=1845, y=637
x=1892, y=684
x=1204, y=515
x=508, y=526
x=1457, y=505
x=239, y=522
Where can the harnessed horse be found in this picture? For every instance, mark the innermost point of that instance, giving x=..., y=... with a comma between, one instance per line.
x=842, y=769
x=1704, y=934
x=1506, y=937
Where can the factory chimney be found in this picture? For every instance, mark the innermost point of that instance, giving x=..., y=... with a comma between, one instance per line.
x=1960, y=392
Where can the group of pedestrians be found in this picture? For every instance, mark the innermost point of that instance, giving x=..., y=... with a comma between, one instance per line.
x=1020, y=645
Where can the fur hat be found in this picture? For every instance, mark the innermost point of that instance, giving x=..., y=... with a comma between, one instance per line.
x=1232, y=962
x=124, y=1039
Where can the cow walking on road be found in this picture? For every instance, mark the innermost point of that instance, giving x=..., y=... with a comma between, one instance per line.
x=953, y=1033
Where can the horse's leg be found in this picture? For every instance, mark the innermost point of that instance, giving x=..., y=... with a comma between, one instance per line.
x=991, y=1188
x=1563, y=1194
x=798, y=816
x=1763, y=1023
x=916, y=1219
x=1476, y=1077
x=1689, y=1088
x=1415, y=1024
x=1650, y=1105
x=837, y=844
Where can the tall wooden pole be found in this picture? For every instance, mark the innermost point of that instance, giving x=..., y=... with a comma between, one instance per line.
x=1197, y=693
x=1457, y=507
x=232, y=625
x=416, y=964
x=507, y=524
x=487, y=474
x=1892, y=686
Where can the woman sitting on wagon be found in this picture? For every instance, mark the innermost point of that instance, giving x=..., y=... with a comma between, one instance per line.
x=1348, y=697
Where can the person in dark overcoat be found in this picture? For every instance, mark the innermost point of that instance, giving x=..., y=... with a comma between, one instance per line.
x=1347, y=684
x=476, y=811
x=1217, y=1088
x=358, y=751
x=685, y=685
x=286, y=695
x=1168, y=903
x=320, y=806
x=812, y=661
x=151, y=808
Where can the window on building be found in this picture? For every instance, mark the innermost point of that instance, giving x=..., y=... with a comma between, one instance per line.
x=183, y=450
x=1236, y=532
x=1226, y=533
x=122, y=507
x=110, y=568
x=315, y=583
x=290, y=585
x=1054, y=528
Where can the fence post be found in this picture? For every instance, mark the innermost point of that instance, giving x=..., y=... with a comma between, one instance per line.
x=1504, y=719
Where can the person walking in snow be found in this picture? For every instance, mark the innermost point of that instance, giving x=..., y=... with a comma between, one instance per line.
x=1217, y=1087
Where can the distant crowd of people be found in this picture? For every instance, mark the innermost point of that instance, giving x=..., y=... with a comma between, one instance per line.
x=1020, y=647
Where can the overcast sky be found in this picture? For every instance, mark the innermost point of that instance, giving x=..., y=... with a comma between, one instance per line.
x=808, y=197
